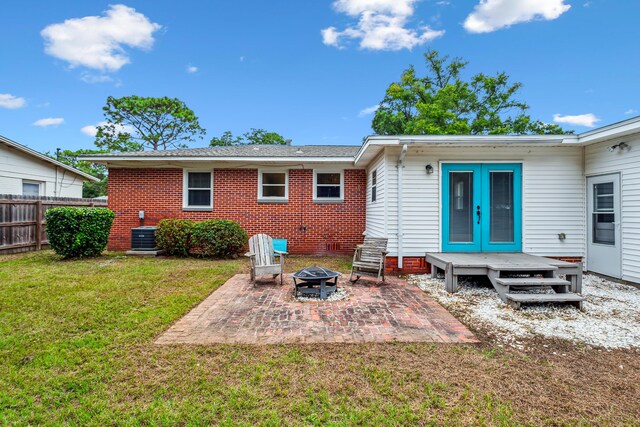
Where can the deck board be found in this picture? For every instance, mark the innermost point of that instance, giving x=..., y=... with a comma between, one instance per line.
x=502, y=259
x=493, y=265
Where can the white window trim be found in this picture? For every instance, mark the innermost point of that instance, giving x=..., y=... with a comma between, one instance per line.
x=374, y=185
x=262, y=198
x=185, y=190
x=327, y=199
x=40, y=184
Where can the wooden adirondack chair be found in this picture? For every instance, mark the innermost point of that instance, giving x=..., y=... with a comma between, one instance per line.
x=262, y=258
x=369, y=259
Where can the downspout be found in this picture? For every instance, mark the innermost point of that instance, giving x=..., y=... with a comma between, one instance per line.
x=400, y=231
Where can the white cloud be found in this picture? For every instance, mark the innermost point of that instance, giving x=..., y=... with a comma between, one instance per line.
x=381, y=25
x=98, y=41
x=92, y=130
x=95, y=78
x=191, y=69
x=11, y=101
x=631, y=111
x=588, y=120
x=492, y=15
x=368, y=111
x=49, y=121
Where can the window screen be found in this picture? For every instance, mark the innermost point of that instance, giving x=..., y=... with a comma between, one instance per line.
x=274, y=184
x=199, y=189
x=328, y=186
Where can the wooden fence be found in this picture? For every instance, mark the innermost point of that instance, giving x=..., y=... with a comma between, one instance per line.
x=22, y=225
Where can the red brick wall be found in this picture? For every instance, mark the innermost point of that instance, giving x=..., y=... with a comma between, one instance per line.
x=410, y=265
x=330, y=228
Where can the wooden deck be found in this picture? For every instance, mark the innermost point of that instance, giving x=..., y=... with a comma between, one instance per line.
x=531, y=271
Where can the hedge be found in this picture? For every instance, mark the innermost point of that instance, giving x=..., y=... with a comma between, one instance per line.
x=173, y=236
x=214, y=238
x=218, y=238
x=78, y=232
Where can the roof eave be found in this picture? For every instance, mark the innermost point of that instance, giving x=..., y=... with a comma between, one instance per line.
x=46, y=158
x=118, y=158
x=615, y=130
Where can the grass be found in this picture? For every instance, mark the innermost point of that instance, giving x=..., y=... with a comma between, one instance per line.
x=76, y=348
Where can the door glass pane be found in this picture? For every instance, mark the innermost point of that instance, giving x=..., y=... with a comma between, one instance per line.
x=604, y=229
x=603, y=217
x=501, y=206
x=603, y=197
x=461, y=207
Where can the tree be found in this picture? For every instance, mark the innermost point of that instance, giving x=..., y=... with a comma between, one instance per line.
x=442, y=103
x=136, y=123
x=89, y=189
x=253, y=137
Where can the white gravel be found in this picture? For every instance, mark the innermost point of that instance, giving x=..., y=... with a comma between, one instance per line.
x=339, y=295
x=610, y=319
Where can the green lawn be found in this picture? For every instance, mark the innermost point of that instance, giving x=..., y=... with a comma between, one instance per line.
x=76, y=348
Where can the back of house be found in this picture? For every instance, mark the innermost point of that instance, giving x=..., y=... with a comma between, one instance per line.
x=570, y=197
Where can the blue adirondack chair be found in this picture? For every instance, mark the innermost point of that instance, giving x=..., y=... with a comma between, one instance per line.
x=279, y=245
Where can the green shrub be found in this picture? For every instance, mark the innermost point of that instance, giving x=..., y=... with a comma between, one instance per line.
x=218, y=238
x=173, y=236
x=78, y=232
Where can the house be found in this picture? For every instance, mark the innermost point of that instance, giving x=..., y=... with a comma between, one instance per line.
x=571, y=197
x=26, y=172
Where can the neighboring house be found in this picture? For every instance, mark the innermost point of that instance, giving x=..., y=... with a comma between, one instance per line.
x=573, y=197
x=26, y=172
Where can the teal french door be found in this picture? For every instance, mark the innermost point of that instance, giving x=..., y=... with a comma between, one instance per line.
x=481, y=207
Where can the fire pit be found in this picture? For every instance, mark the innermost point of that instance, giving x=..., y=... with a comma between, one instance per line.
x=315, y=281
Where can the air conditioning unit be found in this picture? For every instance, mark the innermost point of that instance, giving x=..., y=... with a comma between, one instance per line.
x=143, y=238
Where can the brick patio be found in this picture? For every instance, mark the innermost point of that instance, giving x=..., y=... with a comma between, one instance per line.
x=239, y=313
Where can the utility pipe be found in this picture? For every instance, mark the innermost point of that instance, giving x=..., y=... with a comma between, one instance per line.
x=400, y=167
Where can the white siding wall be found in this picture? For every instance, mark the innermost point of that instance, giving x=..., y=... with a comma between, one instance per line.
x=553, y=196
x=599, y=161
x=376, y=212
x=16, y=166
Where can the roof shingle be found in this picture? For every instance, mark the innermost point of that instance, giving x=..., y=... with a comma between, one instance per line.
x=267, y=151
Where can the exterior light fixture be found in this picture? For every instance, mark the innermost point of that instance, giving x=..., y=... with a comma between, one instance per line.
x=429, y=169
x=620, y=146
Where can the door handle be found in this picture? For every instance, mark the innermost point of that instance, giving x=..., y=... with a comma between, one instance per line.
x=478, y=213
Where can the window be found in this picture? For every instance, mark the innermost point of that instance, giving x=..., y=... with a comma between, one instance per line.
x=374, y=185
x=604, y=216
x=273, y=186
x=328, y=186
x=198, y=190
x=31, y=188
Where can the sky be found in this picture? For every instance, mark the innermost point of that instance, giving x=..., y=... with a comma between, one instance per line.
x=311, y=70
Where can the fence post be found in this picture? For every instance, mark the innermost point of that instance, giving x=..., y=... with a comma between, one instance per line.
x=39, y=225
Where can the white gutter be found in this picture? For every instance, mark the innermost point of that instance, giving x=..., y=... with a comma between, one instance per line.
x=472, y=139
x=400, y=231
x=123, y=158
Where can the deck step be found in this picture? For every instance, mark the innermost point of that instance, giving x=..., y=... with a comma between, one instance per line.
x=532, y=281
x=522, y=267
x=526, y=298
